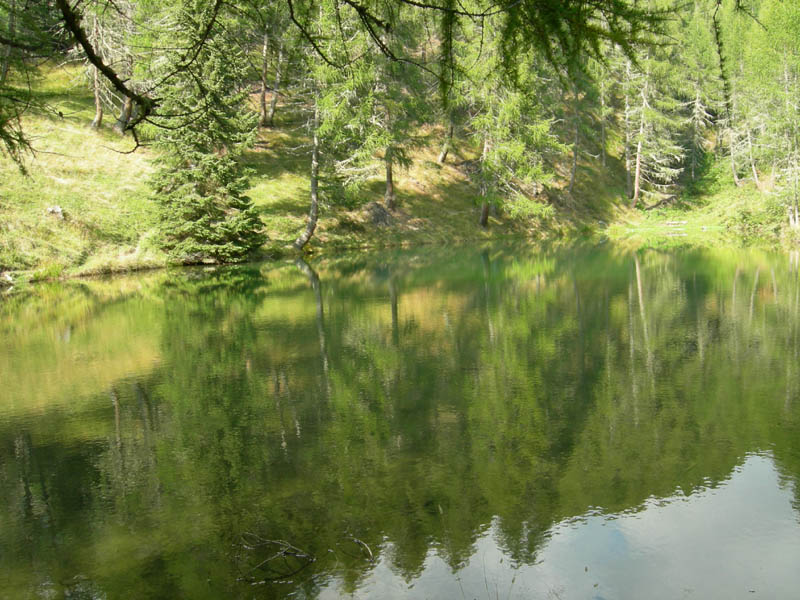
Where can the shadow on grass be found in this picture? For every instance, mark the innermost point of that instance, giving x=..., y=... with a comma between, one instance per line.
x=280, y=162
x=597, y=191
x=705, y=183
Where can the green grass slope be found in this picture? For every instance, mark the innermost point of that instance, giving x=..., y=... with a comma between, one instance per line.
x=110, y=217
x=711, y=212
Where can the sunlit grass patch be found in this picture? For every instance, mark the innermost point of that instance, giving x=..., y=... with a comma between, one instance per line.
x=87, y=207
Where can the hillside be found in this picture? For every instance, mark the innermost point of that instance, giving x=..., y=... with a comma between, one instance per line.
x=710, y=212
x=108, y=219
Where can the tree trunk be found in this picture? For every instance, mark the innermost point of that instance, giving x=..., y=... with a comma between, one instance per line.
x=115, y=403
x=446, y=146
x=393, y=301
x=124, y=116
x=278, y=73
x=627, y=119
x=389, y=197
x=313, y=278
x=639, y=290
x=575, y=142
x=752, y=162
x=732, y=142
x=313, y=213
x=695, y=133
x=484, y=220
x=796, y=221
x=637, y=180
x=98, y=102
x=12, y=27
x=733, y=163
x=603, y=126
x=262, y=98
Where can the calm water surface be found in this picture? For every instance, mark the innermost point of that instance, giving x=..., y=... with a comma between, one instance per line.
x=510, y=422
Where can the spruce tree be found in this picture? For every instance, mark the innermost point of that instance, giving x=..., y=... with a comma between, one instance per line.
x=201, y=185
x=508, y=123
x=656, y=123
x=702, y=88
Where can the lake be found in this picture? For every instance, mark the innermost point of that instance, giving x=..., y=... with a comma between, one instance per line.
x=492, y=423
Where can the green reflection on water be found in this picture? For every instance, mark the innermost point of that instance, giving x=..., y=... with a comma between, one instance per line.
x=307, y=429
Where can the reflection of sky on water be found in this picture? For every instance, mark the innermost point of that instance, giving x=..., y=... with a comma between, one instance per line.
x=739, y=540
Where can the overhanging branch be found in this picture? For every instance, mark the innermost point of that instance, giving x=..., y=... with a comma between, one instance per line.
x=73, y=25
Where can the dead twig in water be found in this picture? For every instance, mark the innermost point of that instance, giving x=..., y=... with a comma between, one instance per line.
x=280, y=550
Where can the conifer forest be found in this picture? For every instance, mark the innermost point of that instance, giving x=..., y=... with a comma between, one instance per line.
x=535, y=105
x=399, y=299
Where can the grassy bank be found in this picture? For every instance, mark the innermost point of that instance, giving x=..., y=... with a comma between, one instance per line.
x=85, y=207
x=712, y=211
x=106, y=216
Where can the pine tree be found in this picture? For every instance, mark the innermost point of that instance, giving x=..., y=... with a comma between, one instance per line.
x=774, y=56
x=201, y=186
x=509, y=125
x=702, y=90
x=393, y=94
x=656, y=122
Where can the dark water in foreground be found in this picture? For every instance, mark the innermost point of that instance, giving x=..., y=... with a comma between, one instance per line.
x=505, y=423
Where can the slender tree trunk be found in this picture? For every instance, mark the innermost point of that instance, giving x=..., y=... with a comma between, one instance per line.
x=278, y=74
x=313, y=213
x=316, y=286
x=262, y=97
x=484, y=220
x=393, y=301
x=695, y=132
x=732, y=144
x=389, y=197
x=603, y=125
x=637, y=182
x=736, y=180
x=448, y=140
x=98, y=103
x=649, y=352
x=124, y=116
x=796, y=220
x=575, y=142
x=752, y=162
x=637, y=178
x=627, y=119
x=115, y=403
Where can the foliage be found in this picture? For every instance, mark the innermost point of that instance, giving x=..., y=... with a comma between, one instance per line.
x=654, y=93
x=201, y=187
x=178, y=412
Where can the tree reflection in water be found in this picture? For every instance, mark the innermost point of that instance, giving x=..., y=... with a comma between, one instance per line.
x=475, y=422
